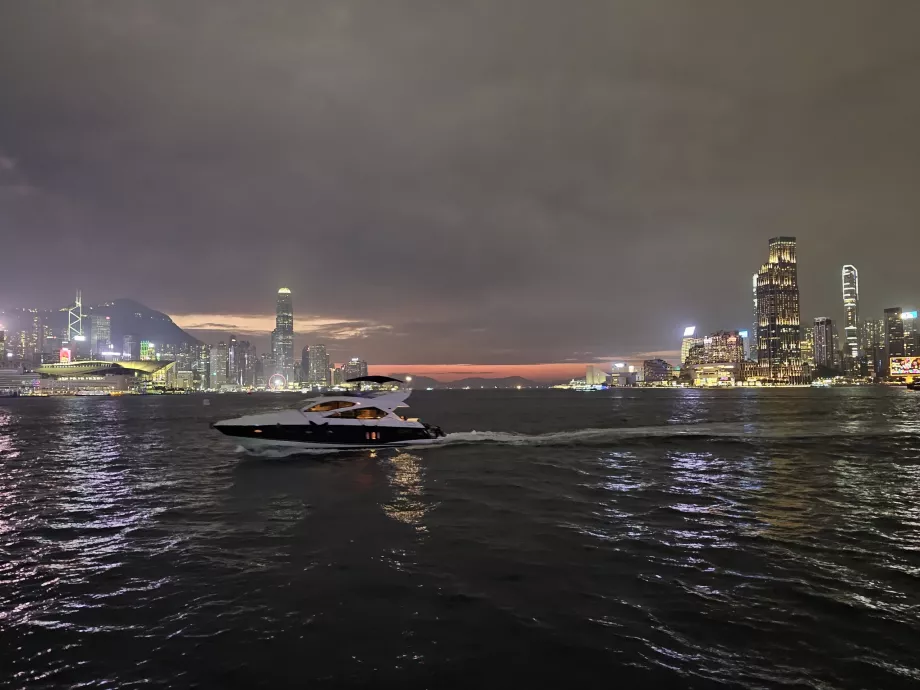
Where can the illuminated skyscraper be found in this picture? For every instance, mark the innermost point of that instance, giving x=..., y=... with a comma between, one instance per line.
x=283, y=335
x=319, y=368
x=305, y=363
x=100, y=335
x=825, y=354
x=688, y=342
x=911, y=334
x=851, y=310
x=355, y=368
x=220, y=356
x=778, y=320
x=752, y=343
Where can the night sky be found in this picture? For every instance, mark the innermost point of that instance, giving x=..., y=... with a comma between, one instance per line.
x=484, y=182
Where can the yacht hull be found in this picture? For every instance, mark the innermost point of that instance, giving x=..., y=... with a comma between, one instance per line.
x=260, y=444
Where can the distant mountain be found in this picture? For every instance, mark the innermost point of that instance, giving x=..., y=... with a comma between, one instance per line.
x=419, y=382
x=505, y=382
x=133, y=318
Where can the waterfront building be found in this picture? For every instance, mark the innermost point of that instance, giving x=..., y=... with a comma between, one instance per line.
x=851, y=311
x=355, y=368
x=319, y=366
x=305, y=363
x=283, y=335
x=220, y=356
x=656, y=371
x=778, y=317
x=688, y=342
x=911, y=334
x=825, y=353
x=148, y=351
x=130, y=349
x=100, y=334
x=722, y=347
x=807, y=347
x=595, y=376
x=752, y=342
x=894, y=336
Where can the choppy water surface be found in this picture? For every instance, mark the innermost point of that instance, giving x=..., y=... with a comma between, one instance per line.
x=644, y=538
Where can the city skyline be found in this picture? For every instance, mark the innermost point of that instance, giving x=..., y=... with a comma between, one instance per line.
x=523, y=207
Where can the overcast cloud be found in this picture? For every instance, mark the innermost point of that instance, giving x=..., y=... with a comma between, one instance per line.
x=467, y=181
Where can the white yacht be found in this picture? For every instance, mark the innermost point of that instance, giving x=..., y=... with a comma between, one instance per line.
x=347, y=420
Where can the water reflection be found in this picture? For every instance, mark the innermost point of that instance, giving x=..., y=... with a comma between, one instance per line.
x=7, y=449
x=406, y=475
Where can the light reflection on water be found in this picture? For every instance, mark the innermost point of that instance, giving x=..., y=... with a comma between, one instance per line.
x=406, y=474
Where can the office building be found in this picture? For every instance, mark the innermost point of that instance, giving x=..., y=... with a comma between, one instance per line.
x=825, y=354
x=305, y=363
x=688, y=342
x=722, y=347
x=595, y=376
x=283, y=335
x=148, y=351
x=338, y=376
x=220, y=356
x=319, y=366
x=851, y=311
x=656, y=371
x=752, y=342
x=130, y=349
x=894, y=336
x=778, y=318
x=355, y=368
x=911, y=334
x=807, y=347
x=100, y=334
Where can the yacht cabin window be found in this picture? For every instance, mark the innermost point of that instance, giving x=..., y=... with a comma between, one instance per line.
x=329, y=405
x=361, y=413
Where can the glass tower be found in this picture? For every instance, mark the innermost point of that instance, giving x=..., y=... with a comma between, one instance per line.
x=778, y=321
x=283, y=335
x=851, y=310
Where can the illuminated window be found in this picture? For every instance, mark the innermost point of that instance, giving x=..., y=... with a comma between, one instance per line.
x=363, y=413
x=329, y=406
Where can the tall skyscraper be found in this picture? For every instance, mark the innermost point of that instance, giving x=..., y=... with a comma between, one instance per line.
x=130, y=349
x=305, y=363
x=355, y=368
x=894, y=336
x=319, y=370
x=688, y=342
x=283, y=335
x=778, y=321
x=220, y=356
x=851, y=310
x=807, y=347
x=100, y=335
x=753, y=345
x=872, y=343
x=825, y=355
x=911, y=334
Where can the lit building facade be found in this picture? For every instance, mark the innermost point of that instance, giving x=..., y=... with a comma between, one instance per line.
x=656, y=371
x=283, y=335
x=911, y=334
x=894, y=335
x=824, y=332
x=130, y=349
x=355, y=368
x=851, y=311
x=220, y=356
x=319, y=366
x=595, y=376
x=689, y=340
x=148, y=351
x=778, y=318
x=807, y=347
x=722, y=347
x=100, y=334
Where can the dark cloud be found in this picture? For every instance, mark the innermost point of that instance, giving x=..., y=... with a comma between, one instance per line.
x=524, y=180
